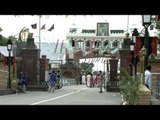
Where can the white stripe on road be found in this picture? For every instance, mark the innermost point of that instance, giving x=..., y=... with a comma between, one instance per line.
x=56, y=97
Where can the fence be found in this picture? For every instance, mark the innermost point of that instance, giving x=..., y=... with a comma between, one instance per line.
x=68, y=81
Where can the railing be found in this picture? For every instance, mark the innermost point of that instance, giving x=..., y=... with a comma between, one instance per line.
x=68, y=81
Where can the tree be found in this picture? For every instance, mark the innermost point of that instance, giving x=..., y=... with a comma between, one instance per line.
x=3, y=41
x=87, y=67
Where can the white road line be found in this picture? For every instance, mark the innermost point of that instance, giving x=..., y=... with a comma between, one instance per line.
x=57, y=97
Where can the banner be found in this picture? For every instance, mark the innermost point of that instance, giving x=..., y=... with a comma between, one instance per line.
x=151, y=48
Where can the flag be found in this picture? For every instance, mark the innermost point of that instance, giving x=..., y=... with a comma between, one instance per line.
x=154, y=45
x=34, y=26
x=52, y=27
x=43, y=27
x=138, y=45
x=129, y=58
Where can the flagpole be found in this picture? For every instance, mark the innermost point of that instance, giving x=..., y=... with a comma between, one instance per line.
x=127, y=23
x=38, y=79
x=39, y=35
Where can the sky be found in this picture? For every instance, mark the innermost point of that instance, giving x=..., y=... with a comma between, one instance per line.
x=12, y=24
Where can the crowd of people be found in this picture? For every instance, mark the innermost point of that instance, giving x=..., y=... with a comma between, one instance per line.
x=97, y=79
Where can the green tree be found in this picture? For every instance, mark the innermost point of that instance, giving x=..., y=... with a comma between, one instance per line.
x=87, y=67
x=3, y=41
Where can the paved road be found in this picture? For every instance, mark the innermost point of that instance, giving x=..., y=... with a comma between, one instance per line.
x=68, y=95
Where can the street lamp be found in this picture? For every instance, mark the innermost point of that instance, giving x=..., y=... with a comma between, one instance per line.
x=146, y=21
x=132, y=53
x=143, y=53
x=9, y=48
x=134, y=34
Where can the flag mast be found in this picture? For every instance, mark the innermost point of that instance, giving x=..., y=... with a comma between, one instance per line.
x=39, y=34
x=127, y=23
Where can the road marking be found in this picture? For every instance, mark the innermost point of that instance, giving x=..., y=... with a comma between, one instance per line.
x=57, y=97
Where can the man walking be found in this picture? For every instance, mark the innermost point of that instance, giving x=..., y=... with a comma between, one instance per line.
x=100, y=81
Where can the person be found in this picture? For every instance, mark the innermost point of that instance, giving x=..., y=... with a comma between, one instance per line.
x=22, y=82
x=94, y=79
x=58, y=79
x=104, y=80
x=102, y=30
x=25, y=79
x=91, y=81
x=52, y=82
x=83, y=79
x=148, y=77
x=100, y=81
x=88, y=79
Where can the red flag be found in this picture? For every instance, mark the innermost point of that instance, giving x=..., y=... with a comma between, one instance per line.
x=34, y=26
x=43, y=27
x=52, y=27
x=154, y=45
x=138, y=45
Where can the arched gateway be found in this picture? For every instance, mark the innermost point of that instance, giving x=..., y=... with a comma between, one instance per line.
x=93, y=48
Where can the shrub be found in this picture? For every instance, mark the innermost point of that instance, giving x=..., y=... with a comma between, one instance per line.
x=129, y=87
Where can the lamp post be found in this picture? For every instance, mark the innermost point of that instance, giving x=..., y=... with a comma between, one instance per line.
x=9, y=48
x=146, y=21
x=134, y=34
x=143, y=53
x=132, y=60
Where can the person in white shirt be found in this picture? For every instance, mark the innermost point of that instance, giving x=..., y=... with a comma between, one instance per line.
x=89, y=79
x=148, y=77
x=83, y=79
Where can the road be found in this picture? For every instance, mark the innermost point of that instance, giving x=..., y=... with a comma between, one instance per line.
x=68, y=95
